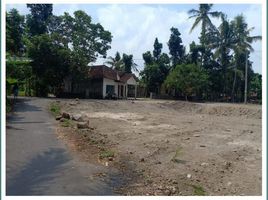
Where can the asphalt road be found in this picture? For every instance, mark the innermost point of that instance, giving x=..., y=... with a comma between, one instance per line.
x=37, y=163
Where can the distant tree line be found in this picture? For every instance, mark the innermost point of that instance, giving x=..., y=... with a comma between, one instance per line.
x=212, y=70
x=43, y=49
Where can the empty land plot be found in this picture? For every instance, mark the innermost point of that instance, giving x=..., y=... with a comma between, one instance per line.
x=176, y=147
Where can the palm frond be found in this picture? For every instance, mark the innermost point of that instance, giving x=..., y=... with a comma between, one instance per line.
x=193, y=16
x=193, y=12
x=215, y=14
x=254, y=38
x=197, y=21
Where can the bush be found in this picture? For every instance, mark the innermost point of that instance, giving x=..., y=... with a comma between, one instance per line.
x=189, y=79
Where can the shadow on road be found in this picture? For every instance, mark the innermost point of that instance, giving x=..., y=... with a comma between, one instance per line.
x=41, y=169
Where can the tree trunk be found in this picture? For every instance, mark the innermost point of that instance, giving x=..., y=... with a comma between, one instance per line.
x=234, y=82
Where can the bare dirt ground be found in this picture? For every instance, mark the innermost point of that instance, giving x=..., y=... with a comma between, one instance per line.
x=173, y=147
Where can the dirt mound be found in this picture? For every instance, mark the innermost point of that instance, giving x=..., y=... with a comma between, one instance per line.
x=238, y=110
x=219, y=109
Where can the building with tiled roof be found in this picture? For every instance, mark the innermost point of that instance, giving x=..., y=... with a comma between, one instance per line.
x=105, y=82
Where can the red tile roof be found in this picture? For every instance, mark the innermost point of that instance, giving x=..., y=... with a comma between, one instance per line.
x=102, y=71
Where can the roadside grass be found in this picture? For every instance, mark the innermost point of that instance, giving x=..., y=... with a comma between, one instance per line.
x=106, y=154
x=8, y=105
x=21, y=93
x=54, y=108
x=67, y=123
x=198, y=190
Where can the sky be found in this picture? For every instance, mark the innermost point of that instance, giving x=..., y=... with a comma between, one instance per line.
x=134, y=27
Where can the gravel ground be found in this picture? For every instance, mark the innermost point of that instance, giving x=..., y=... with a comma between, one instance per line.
x=173, y=147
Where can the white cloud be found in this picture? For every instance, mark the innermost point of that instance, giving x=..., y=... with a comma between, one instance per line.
x=58, y=9
x=134, y=28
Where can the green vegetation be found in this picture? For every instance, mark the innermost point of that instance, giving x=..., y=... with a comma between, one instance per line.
x=43, y=49
x=66, y=123
x=215, y=68
x=106, y=154
x=198, y=190
x=124, y=64
x=55, y=108
x=177, y=154
x=8, y=105
x=189, y=79
x=52, y=47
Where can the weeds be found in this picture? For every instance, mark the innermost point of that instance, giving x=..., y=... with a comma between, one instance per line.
x=8, y=105
x=177, y=153
x=66, y=123
x=198, y=190
x=106, y=154
x=55, y=108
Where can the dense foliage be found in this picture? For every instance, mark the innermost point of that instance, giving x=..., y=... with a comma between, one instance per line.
x=217, y=64
x=43, y=49
x=189, y=79
x=57, y=46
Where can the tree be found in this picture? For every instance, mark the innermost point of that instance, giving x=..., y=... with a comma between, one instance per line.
x=51, y=63
x=194, y=53
x=189, y=79
x=222, y=40
x=19, y=70
x=129, y=64
x=66, y=47
x=152, y=77
x=156, y=68
x=176, y=49
x=157, y=49
x=88, y=40
x=242, y=49
x=38, y=19
x=148, y=58
x=202, y=16
x=256, y=85
x=14, y=32
x=116, y=62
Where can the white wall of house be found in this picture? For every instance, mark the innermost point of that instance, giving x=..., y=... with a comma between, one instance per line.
x=131, y=81
x=107, y=81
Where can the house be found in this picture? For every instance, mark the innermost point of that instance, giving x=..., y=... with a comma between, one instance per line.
x=104, y=82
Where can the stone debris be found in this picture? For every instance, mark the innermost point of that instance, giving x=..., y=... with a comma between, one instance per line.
x=77, y=117
x=65, y=115
x=82, y=125
x=58, y=117
x=204, y=164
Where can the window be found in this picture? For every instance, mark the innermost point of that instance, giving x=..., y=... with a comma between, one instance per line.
x=109, y=89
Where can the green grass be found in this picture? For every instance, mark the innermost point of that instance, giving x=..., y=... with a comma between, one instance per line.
x=177, y=154
x=106, y=154
x=21, y=93
x=55, y=108
x=8, y=105
x=66, y=123
x=198, y=190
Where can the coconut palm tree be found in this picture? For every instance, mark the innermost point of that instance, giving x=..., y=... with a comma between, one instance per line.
x=222, y=40
x=116, y=62
x=129, y=65
x=243, y=42
x=202, y=16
